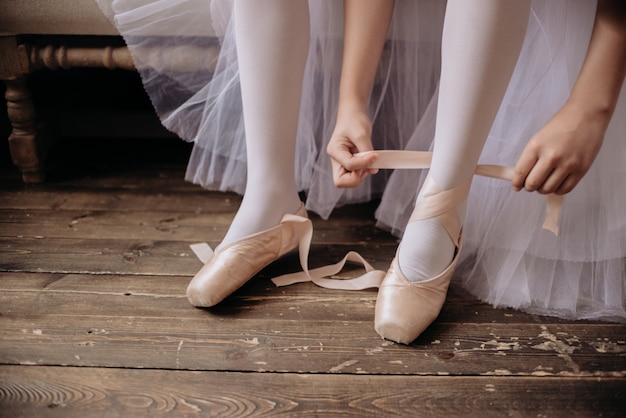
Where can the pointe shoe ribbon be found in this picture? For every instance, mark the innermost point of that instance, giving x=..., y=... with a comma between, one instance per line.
x=322, y=276
x=422, y=160
x=203, y=251
x=303, y=230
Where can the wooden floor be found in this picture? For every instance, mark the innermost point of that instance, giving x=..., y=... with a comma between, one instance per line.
x=94, y=320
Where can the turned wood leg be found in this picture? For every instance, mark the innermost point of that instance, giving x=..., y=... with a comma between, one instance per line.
x=23, y=138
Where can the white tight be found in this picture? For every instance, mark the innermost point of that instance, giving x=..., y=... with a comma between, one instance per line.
x=481, y=43
x=272, y=46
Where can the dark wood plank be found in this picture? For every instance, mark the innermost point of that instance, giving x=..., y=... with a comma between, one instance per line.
x=138, y=200
x=130, y=256
x=162, y=177
x=108, y=224
x=350, y=347
x=150, y=198
x=260, y=296
x=140, y=255
x=106, y=320
x=86, y=392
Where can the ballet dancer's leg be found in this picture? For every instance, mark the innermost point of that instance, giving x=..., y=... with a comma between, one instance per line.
x=481, y=43
x=272, y=46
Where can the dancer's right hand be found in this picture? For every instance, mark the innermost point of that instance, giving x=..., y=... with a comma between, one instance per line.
x=352, y=135
x=558, y=156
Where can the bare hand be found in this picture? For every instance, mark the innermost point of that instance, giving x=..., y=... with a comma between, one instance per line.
x=558, y=156
x=352, y=135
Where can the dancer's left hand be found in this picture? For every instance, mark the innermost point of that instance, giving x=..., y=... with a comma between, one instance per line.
x=352, y=135
x=558, y=156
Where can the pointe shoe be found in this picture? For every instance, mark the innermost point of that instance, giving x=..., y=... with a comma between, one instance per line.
x=405, y=309
x=232, y=266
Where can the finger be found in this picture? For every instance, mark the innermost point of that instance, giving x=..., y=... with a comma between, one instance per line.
x=339, y=151
x=351, y=179
x=524, y=165
x=337, y=171
x=568, y=185
x=553, y=181
x=368, y=158
x=343, y=178
x=538, y=175
x=342, y=152
x=363, y=162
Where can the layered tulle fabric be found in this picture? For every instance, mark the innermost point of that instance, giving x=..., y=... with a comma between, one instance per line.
x=198, y=98
x=507, y=259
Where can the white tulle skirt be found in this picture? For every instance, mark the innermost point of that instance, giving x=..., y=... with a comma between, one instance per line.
x=507, y=259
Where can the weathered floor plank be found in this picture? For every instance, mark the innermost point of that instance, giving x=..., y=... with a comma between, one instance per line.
x=210, y=343
x=258, y=297
x=95, y=320
x=211, y=226
x=54, y=391
x=137, y=255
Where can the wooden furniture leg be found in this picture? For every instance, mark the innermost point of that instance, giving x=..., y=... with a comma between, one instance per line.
x=23, y=138
x=20, y=110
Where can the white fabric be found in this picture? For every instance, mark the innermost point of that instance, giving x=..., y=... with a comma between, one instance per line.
x=507, y=259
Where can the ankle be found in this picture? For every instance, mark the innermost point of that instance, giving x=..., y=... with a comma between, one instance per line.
x=259, y=212
x=426, y=250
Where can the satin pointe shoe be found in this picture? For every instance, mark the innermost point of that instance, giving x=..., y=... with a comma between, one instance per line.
x=231, y=266
x=405, y=309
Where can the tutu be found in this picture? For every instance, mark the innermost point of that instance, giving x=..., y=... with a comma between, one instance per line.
x=204, y=105
x=507, y=259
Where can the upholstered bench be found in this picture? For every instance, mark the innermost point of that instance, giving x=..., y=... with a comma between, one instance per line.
x=21, y=21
